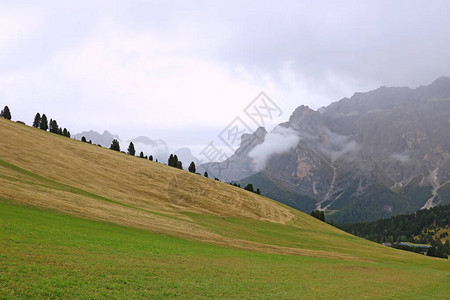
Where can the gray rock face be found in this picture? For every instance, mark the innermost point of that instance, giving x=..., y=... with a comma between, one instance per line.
x=388, y=148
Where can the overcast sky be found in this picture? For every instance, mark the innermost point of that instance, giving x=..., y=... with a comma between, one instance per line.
x=181, y=71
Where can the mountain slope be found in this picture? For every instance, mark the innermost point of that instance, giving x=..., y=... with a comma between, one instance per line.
x=160, y=231
x=390, y=141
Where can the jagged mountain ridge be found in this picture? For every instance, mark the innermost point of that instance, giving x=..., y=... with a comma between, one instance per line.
x=376, y=154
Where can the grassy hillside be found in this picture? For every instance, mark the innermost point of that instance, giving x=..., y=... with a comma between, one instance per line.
x=82, y=221
x=273, y=191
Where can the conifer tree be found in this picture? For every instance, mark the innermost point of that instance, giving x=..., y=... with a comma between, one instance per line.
x=151, y=158
x=191, y=167
x=318, y=214
x=64, y=132
x=141, y=155
x=6, y=113
x=115, y=145
x=179, y=165
x=54, y=128
x=322, y=216
x=83, y=139
x=249, y=187
x=44, y=123
x=37, y=120
x=131, y=150
x=258, y=191
x=206, y=174
x=170, y=161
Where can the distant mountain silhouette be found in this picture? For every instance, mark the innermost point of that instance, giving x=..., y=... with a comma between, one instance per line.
x=103, y=139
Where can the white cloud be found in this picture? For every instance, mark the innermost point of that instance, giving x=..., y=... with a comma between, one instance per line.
x=279, y=141
x=401, y=157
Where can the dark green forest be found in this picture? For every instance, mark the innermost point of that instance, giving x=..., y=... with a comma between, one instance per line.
x=421, y=227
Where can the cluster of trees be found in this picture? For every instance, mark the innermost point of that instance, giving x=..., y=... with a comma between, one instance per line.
x=174, y=162
x=318, y=214
x=83, y=139
x=115, y=145
x=439, y=250
x=248, y=187
x=42, y=122
x=409, y=248
x=141, y=155
x=419, y=227
x=436, y=250
x=6, y=113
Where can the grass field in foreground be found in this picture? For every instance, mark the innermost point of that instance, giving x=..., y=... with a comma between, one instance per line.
x=47, y=254
x=80, y=221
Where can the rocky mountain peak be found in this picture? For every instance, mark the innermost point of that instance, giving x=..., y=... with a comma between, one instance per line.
x=303, y=111
x=306, y=121
x=439, y=88
x=249, y=140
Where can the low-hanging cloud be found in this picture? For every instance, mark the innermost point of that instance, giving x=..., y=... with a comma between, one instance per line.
x=401, y=157
x=339, y=145
x=279, y=141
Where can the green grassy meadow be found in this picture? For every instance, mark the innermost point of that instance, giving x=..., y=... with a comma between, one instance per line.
x=46, y=254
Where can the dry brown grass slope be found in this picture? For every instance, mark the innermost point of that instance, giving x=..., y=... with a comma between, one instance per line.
x=42, y=169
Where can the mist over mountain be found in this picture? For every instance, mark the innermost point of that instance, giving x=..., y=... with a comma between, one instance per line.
x=239, y=165
x=373, y=155
x=186, y=157
x=157, y=148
